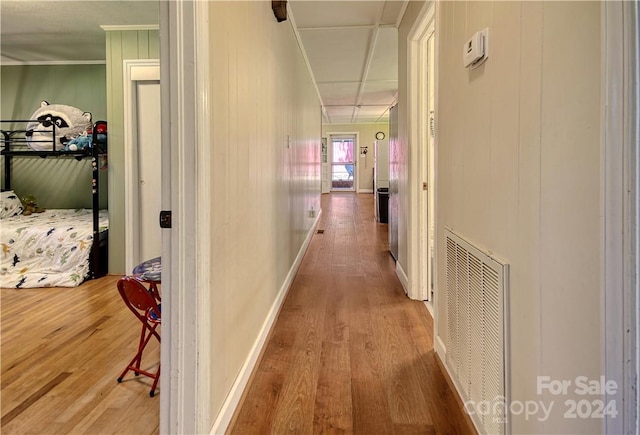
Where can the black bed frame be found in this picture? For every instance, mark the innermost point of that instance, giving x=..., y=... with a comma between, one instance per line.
x=14, y=144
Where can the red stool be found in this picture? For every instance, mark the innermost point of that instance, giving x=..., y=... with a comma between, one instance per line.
x=144, y=306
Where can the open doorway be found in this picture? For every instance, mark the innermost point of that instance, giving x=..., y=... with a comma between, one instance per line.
x=422, y=107
x=343, y=163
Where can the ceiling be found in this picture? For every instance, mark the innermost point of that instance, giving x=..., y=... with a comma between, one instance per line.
x=351, y=46
x=52, y=30
x=352, y=49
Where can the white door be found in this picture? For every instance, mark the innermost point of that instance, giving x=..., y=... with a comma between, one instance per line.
x=422, y=134
x=430, y=203
x=149, y=164
x=143, y=160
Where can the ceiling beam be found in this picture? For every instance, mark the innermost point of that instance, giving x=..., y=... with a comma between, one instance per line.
x=363, y=26
x=367, y=65
x=353, y=82
x=401, y=14
x=292, y=20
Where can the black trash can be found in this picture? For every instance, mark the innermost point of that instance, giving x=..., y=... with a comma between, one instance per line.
x=383, y=205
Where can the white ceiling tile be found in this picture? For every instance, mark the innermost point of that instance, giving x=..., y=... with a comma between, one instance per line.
x=384, y=62
x=336, y=36
x=339, y=93
x=369, y=111
x=391, y=11
x=340, y=114
x=335, y=13
x=336, y=55
x=370, y=118
x=379, y=93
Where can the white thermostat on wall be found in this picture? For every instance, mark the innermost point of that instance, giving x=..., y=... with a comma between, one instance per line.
x=476, y=49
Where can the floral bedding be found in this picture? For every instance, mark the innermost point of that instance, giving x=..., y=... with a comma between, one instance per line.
x=49, y=249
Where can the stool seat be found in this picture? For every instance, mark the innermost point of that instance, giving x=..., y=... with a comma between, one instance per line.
x=150, y=270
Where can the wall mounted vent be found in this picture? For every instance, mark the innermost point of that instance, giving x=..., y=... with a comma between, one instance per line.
x=477, y=337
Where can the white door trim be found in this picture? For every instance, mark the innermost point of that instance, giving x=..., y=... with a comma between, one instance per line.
x=324, y=166
x=134, y=70
x=185, y=404
x=202, y=208
x=417, y=127
x=620, y=201
x=356, y=153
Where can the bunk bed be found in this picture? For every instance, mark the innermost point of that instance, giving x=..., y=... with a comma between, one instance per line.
x=54, y=248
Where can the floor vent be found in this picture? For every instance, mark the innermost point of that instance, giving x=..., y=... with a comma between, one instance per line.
x=477, y=336
x=320, y=232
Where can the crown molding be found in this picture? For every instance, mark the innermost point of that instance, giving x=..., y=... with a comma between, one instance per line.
x=52, y=62
x=120, y=28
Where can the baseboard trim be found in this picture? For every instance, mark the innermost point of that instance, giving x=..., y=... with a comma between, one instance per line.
x=365, y=191
x=429, y=306
x=440, y=348
x=237, y=390
x=402, y=276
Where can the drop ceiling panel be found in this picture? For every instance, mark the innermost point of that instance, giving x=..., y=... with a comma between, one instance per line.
x=379, y=92
x=384, y=62
x=334, y=13
x=391, y=11
x=339, y=93
x=370, y=119
x=336, y=55
x=371, y=111
x=337, y=38
x=340, y=114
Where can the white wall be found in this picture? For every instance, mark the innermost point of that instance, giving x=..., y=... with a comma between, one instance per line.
x=366, y=137
x=518, y=167
x=263, y=186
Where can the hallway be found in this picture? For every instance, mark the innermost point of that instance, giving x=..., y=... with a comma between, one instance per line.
x=349, y=351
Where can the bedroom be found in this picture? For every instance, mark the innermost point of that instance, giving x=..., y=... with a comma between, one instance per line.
x=77, y=70
x=60, y=54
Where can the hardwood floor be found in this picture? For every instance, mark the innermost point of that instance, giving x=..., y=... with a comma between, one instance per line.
x=349, y=352
x=62, y=350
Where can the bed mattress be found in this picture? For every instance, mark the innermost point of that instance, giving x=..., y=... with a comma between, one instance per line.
x=49, y=249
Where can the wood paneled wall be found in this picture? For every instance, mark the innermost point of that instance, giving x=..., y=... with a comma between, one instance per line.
x=56, y=183
x=121, y=45
x=518, y=166
x=266, y=126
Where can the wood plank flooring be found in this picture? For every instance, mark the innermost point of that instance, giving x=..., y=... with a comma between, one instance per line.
x=349, y=352
x=62, y=351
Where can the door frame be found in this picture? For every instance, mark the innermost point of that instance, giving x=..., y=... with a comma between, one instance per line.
x=324, y=165
x=356, y=172
x=185, y=353
x=418, y=247
x=427, y=165
x=134, y=71
x=620, y=169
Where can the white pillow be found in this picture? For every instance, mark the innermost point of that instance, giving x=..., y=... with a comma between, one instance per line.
x=10, y=204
